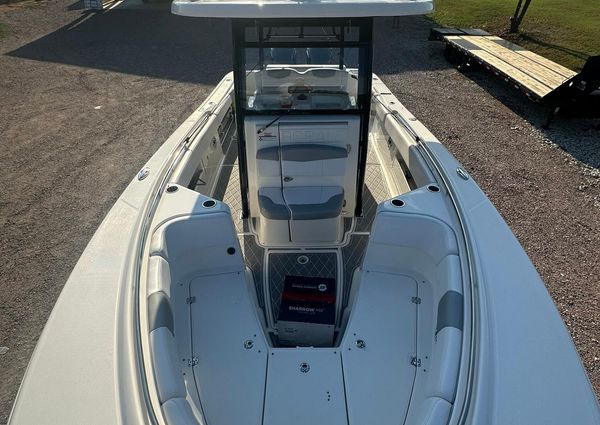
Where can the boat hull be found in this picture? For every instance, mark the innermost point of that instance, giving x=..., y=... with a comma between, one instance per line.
x=520, y=366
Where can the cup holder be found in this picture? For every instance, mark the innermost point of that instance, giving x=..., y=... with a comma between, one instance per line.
x=209, y=203
x=303, y=259
x=433, y=188
x=397, y=203
x=172, y=189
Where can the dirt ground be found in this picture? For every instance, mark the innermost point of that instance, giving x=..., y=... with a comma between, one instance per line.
x=86, y=98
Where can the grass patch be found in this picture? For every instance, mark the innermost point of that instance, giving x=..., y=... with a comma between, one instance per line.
x=564, y=31
x=2, y=30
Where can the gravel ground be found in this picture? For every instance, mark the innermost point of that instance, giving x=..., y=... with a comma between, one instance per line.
x=88, y=97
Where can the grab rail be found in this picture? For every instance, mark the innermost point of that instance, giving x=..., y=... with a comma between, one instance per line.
x=149, y=209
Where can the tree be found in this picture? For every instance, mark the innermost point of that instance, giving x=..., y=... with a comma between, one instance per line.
x=520, y=12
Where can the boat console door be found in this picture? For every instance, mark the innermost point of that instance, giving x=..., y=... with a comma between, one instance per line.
x=302, y=177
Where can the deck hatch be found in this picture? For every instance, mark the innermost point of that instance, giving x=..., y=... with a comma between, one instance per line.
x=228, y=372
x=384, y=324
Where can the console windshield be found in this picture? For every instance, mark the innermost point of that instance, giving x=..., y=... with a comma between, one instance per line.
x=302, y=68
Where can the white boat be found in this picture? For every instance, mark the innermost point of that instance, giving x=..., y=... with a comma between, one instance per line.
x=303, y=250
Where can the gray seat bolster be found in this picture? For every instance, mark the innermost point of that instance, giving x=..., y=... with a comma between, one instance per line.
x=268, y=154
x=302, y=153
x=160, y=313
x=450, y=311
x=312, y=152
x=330, y=209
x=271, y=204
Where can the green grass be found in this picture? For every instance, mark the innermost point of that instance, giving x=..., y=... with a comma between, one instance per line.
x=565, y=31
x=2, y=30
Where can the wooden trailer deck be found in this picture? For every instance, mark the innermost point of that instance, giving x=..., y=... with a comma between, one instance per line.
x=534, y=73
x=539, y=78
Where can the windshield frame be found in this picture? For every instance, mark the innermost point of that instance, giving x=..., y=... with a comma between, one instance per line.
x=362, y=42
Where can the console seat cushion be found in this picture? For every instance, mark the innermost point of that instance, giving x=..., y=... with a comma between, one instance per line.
x=314, y=202
x=301, y=203
x=272, y=205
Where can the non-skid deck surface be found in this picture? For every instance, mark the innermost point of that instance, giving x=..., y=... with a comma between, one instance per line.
x=254, y=258
x=227, y=189
x=534, y=72
x=231, y=195
x=375, y=191
x=352, y=256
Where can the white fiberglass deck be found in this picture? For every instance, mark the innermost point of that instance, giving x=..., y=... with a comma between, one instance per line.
x=335, y=382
